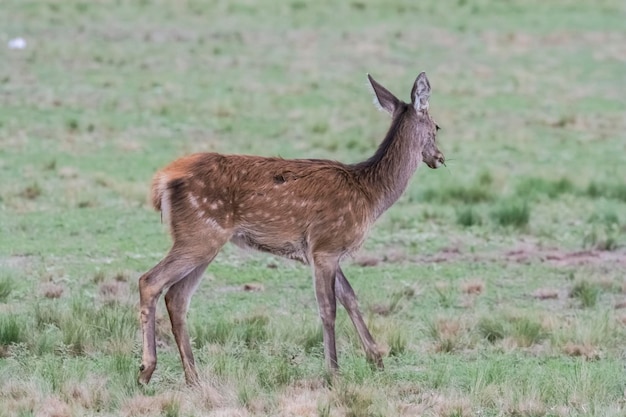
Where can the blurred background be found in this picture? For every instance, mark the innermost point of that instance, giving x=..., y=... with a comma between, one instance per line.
x=95, y=96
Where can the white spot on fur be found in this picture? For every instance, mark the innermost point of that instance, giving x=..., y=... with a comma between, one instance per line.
x=211, y=222
x=204, y=200
x=193, y=200
x=213, y=206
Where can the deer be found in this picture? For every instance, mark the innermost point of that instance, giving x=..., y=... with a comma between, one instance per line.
x=314, y=211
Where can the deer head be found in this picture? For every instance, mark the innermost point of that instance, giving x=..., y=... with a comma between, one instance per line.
x=423, y=128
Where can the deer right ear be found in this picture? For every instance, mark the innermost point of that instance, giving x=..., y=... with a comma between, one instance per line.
x=421, y=92
x=383, y=99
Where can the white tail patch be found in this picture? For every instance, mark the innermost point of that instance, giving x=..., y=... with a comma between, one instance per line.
x=166, y=205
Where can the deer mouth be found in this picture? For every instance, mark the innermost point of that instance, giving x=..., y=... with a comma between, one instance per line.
x=435, y=162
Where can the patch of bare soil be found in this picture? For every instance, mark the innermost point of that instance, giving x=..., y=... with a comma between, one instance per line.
x=524, y=254
x=16, y=261
x=560, y=257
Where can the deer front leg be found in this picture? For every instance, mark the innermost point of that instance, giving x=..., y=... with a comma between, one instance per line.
x=324, y=277
x=177, y=301
x=348, y=299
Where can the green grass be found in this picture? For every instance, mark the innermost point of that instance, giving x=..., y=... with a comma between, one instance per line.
x=586, y=292
x=511, y=213
x=532, y=201
x=468, y=216
x=6, y=287
x=11, y=330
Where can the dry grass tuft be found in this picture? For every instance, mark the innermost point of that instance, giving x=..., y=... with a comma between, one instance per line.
x=163, y=330
x=358, y=400
x=51, y=290
x=99, y=277
x=53, y=407
x=113, y=292
x=381, y=309
x=141, y=405
x=253, y=287
x=606, y=283
x=395, y=302
x=91, y=393
x=300, y=402
x=447, y=333
x=366, y=261
x=583, y=350
x=121, y=277
x=31, y=192
x=447, y=406
x=448, y=327
x=158, y=405
x=473, y=287
x=16, y=395
x=68, y=172
x=545, y=294
x=231, y=412
x=528, y=408
x=209, y=395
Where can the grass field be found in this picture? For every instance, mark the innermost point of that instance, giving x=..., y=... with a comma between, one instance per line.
x=496, y=286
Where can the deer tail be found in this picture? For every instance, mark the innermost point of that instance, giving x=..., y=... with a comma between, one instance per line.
x=160, y=196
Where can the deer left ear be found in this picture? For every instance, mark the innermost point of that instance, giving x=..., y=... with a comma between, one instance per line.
x=421, y=92
x=383, y=99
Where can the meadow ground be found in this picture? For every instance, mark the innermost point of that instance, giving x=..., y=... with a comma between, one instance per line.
x=497, y=286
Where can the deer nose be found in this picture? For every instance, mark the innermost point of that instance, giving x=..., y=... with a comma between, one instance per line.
x=441, y=159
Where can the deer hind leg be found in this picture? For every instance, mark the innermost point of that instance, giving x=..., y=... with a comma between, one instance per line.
x=347, y=298
x=178, y=264
x=167, y=272
x=324, y=277
x=177, y=301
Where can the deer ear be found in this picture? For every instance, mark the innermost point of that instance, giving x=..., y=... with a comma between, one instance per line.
x=383, y=99
x=421, y=92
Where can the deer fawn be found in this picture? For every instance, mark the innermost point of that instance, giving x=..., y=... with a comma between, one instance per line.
x=313, y=211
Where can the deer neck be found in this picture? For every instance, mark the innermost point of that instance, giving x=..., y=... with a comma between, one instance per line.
x=386, y=174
